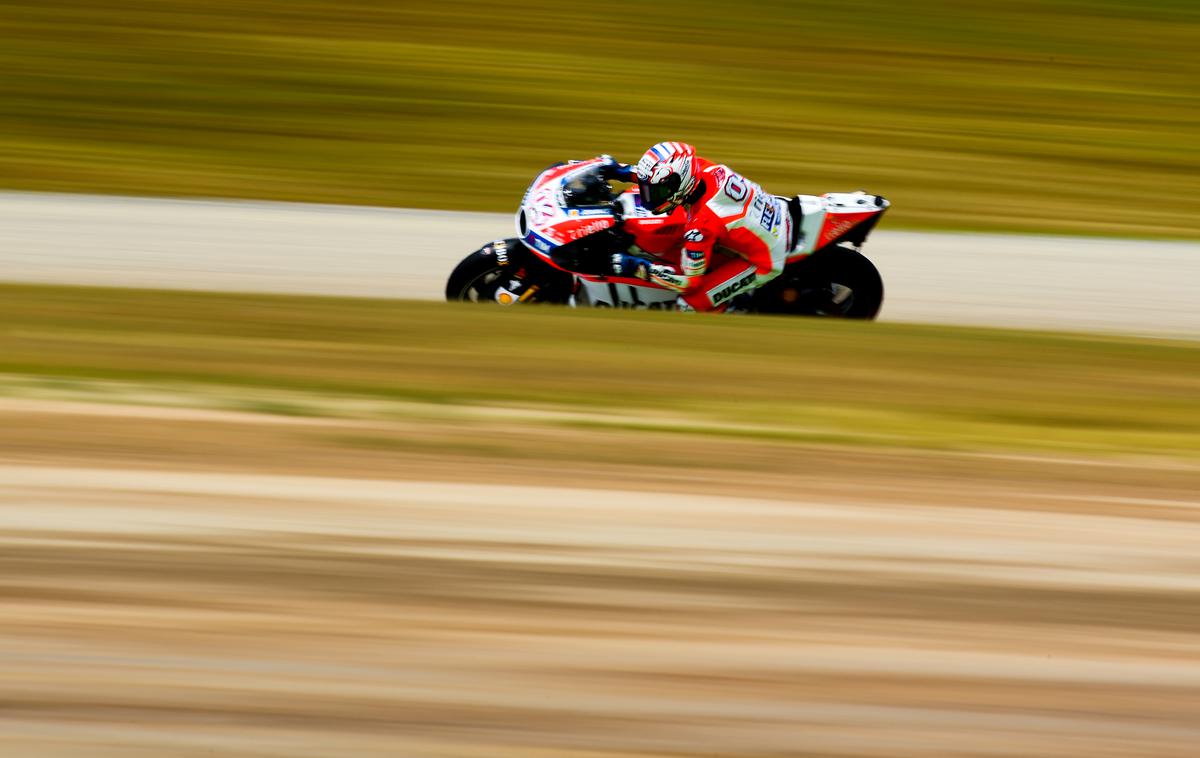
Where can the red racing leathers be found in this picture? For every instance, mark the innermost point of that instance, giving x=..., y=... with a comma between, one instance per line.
x=736, y=239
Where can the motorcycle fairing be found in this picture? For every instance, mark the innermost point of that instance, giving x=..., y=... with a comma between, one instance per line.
x=832, y=217
x=621, y=293
x=547, y=222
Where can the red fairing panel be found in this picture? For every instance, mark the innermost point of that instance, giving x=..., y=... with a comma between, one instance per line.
x=657, y=235
x=837, y=224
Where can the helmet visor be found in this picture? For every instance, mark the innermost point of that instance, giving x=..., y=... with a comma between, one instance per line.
x=656, y=197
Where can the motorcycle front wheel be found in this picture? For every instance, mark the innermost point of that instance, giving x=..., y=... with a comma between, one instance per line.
x=505, y=273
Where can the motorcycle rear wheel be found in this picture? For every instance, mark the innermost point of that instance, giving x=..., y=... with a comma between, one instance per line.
x=836, y=282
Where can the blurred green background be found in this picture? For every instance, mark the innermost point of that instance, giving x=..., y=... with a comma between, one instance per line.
x=1057, y=115
x=874, y=384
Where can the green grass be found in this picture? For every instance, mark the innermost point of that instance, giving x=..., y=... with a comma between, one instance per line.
x=1059, y=115
x=775, y=379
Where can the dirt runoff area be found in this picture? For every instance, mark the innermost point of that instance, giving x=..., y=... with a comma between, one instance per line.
x=194, y=583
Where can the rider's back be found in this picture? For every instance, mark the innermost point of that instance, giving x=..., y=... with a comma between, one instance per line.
x=740, y=216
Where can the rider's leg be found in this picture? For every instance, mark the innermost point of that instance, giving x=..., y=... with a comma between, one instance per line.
x=716, y=288
x=733, y=277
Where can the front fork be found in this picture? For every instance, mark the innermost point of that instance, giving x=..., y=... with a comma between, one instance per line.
x=516, y=291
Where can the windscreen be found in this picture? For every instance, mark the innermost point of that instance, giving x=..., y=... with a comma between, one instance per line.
x=586, y=187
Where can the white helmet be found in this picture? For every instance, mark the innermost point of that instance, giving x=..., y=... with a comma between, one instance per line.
x=666, y=176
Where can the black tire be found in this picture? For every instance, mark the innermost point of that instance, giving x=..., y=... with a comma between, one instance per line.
x=480, y=274
x=835, y=282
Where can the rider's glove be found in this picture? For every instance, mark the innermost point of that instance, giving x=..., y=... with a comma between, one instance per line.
x=631, y=266
x=610, y=168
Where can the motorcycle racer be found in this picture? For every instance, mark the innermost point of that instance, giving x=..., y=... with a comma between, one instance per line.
x=725, y=211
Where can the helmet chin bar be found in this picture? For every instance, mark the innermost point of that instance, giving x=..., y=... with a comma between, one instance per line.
x=696, y=193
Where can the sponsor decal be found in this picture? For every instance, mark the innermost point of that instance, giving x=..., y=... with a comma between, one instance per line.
x=587, y=229
x=718, y=174
x=695, y=235
x=668, y=278
x=769, y=211
x=643, y=167
x=580, y=212
x=769, y=218
x=733, y=288
x=693, y=262
x=535, y=241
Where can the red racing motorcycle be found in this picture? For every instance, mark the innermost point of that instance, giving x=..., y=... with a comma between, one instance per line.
x=571, y=221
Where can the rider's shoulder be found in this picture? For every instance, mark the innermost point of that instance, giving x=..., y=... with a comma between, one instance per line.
x=717, y=177
x=717, y=173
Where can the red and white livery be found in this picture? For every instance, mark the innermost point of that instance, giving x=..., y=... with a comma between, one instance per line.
x=737, y=245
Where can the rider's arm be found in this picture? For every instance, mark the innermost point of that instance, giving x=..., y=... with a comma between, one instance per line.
x=698, y=246
x=612, y=169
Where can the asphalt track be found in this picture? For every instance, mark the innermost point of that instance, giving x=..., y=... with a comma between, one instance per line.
x=1121, y=286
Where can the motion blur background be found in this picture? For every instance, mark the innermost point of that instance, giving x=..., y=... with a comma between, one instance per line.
x=276, y=525
x=1055, y=115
